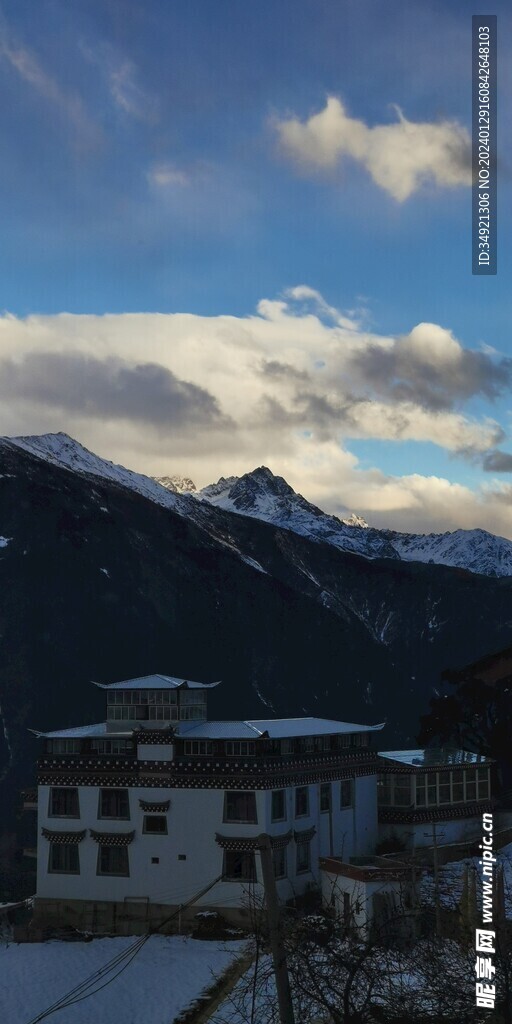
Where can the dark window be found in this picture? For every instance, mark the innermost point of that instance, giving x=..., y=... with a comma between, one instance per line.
x=279, y=861
x=239, y=748
x=307, y=744
x=279, y=805
x=113, y=860
x=470, y=777
x=432, y=789
x=239, y=865
x=402, y=793
x=198, y=747
x=301, y=801
x=155, y=823
x=114, y=803
x=457, y=788
x=192, y=697
x=115, y=746
x=385, y=790
x=160, y=713
x=346, y=793
x=482, y=783
x=64, y=858
x=444, y=788
x=64, y=802
x=190, y=712
x=182, y=856
x=239, y=806
x=303, y=857
x=325, y=796
x=155, y=860
x=64, y=746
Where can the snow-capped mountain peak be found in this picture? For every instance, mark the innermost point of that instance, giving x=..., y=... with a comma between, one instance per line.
x=262, y=495
x=176, y=484
x=61, y=450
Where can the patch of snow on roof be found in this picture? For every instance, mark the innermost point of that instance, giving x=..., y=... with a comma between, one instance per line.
x=277, y=728
x=156, y=682
x=76, y=732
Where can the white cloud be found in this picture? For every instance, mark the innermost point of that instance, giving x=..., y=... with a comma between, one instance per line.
x=400, y=157
x=26, y=64
x=127, y=94
x=286, y=387
x=167, y=175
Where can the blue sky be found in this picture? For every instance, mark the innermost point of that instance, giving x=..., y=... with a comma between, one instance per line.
x=164, y=158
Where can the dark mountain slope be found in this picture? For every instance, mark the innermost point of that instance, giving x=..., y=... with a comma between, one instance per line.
x=98, y=582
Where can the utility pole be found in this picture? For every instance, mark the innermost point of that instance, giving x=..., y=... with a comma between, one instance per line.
x=436, y=881
x=284, y=996
x=433, y=835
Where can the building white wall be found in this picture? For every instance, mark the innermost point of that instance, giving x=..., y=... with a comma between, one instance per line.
x=194, y=816
x=361, y=898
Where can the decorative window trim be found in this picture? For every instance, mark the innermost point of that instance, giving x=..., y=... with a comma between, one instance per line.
x=253, y=842
x=112, y=838
x=278, y=842
x=63, y=837
x=158, y=806
x=305, y=835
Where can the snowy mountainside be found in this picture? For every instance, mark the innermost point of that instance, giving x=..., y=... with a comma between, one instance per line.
x=61, y=450
x=262, y=495
x=176, y=484
x=475, y=550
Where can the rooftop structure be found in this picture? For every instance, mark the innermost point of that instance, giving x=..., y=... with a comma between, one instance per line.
x=433, y=757
x=157, y=682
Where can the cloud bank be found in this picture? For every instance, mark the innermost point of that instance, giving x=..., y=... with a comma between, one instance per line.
x=290, y=387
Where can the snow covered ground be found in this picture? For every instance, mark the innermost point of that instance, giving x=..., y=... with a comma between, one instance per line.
x=451, y=878
x=163, y=978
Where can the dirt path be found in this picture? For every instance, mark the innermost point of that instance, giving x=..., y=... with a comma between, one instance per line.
x=211, y=998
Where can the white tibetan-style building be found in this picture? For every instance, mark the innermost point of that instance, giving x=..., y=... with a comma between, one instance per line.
x=140, y=813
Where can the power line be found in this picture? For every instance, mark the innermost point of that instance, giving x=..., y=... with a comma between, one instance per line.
x=129, y=954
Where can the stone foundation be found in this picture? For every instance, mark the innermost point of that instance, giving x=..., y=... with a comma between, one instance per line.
x=132, y=917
